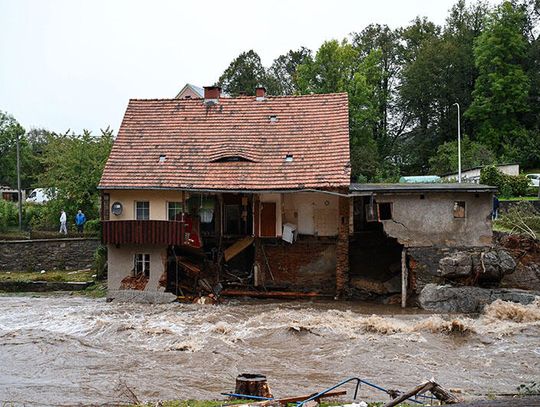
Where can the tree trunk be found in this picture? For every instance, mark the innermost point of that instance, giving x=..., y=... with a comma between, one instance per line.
x=252, y=385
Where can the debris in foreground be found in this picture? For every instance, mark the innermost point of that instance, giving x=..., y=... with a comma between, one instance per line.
x=255, y=387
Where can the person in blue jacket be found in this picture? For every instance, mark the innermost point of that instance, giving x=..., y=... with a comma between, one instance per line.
x=80, y=220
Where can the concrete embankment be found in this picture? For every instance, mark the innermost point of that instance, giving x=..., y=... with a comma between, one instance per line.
x=42, y=286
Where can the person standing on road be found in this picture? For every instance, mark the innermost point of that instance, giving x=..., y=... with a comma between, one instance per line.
x=63, y=220
x=80, y=220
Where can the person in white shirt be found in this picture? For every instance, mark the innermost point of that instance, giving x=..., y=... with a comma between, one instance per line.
x=63, y=219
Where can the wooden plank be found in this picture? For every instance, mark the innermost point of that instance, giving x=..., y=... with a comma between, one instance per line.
x=188, y=265
x=237, y=247
x=270, y=294
x=404, y=278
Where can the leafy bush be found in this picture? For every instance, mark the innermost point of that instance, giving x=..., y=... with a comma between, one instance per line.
x=532, y=191
x=93, y=225
x=508, y=185
x=100, y=261
x=522, y=217
x=9, y=215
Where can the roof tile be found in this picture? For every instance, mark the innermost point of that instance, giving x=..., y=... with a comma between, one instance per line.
x=192, y=136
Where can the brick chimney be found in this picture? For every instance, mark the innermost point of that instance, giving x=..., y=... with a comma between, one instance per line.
x=211, y=94
x=260, y=93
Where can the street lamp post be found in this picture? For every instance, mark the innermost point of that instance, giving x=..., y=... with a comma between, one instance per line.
x=19, y=182
x=458, y=142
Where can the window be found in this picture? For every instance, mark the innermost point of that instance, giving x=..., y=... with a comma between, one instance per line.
x=174, y=210
x=142, y=265
x=231, y=159
x=459, y=209
x=142, y=210
x=288, y=158
x=385, y=211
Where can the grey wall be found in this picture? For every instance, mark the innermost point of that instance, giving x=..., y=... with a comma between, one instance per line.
x=430, y=221
x=47, y=254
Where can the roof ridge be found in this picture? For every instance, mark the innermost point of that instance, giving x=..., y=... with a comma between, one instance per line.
x=243, y=97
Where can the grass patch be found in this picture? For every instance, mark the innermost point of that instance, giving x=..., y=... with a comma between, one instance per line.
x=497, y=227
x=63, y=276
x=218, y=403
x=96, y=290
x=519, y=198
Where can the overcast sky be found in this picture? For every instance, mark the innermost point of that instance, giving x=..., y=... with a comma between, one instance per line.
x=75, y=64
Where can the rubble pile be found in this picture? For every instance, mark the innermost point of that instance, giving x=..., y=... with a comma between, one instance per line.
x=526, y=252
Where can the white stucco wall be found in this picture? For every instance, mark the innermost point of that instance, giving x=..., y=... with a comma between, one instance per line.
x=158, y=202
x=313, y=213
x=121, y=261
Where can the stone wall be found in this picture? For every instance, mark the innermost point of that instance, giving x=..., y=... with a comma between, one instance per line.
x=47, y=254
x=482, y=266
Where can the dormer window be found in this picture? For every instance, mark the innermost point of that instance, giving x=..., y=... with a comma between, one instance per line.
x=162, y=158
x=288, y=158
x=273, y=118
x=232, y=159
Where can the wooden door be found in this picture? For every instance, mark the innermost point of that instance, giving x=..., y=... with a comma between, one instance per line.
x=268, y=219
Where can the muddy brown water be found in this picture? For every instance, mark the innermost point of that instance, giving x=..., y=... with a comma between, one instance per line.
x=64, y=350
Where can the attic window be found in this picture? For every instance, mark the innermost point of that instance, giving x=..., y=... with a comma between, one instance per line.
x=162, y=158
x=289, y=158
x=231, y=159
x=272, y=118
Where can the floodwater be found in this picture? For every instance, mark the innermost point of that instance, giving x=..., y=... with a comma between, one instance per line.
x=64, y=350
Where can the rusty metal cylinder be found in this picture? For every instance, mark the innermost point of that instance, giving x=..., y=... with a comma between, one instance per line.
x=252, y=385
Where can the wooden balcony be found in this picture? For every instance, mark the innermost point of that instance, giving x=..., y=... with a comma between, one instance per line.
x=144, y=232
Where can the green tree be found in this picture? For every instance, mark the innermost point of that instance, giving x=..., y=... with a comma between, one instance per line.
x=419, y=83
x=332, y=69
x=244, y=74
x=337, y=67
x=382, y=78
x=473, y=154
x=282, y=76
x=73, y=167
x=10, y=130
x=500, y=96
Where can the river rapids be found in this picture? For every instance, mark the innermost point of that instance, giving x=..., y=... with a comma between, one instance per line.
x=65, y=350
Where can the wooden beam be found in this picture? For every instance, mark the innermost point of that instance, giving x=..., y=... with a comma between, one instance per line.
x=404, y=278
x=270, y=294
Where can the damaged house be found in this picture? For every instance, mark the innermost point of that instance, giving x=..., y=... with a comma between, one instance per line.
x=229, y=195
x=252, y=196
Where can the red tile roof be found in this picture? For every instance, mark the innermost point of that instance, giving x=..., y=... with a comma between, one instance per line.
x=192, y=136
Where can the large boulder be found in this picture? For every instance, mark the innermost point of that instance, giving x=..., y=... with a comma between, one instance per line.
x=495, y=265
x=447, y=298
x=457, y=264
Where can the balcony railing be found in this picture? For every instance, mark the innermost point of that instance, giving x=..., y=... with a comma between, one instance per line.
x=145, y=232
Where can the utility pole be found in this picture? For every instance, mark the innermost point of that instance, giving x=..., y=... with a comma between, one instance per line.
x=458, y=142
x=19, y=181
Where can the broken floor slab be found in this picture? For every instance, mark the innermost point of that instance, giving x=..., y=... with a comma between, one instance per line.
x=445, y=298
x=146, y=297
